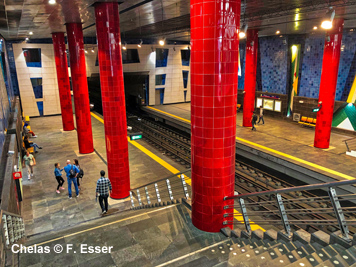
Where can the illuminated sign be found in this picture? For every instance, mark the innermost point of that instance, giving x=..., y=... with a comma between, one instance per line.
x=135, y=136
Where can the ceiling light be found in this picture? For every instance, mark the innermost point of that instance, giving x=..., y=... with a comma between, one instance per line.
x=243, y=31
x=92, y=50
x=315, y=28
x=30, y=33
x=327, y=23
x=278, y=32
x=162, y=42
x=52, y=2
x=26, y=38
x=140, y=44
x=124, y=47
x=86, y=52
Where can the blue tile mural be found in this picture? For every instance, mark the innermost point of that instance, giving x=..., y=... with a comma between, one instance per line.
x=37, y=87
x=347, y=67
x=161, y=57
x=185, y=78
x=274, y=63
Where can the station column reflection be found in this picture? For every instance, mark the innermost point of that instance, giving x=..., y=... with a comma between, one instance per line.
x=63, y=80
x=80, y=87
x=113, y=96
x=250, y=76
x=214, y=77
x=328, y=82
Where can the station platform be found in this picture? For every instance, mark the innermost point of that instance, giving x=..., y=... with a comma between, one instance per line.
x=44, y=210
x=280, y=144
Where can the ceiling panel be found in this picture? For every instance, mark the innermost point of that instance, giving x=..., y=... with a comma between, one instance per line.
x=169, y=18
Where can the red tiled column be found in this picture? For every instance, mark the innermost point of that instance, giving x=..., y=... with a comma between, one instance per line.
x=250, y=76
x=328, y=81
x=65, y=97
x=80, y=87
x=214, y=73
x=113, y=97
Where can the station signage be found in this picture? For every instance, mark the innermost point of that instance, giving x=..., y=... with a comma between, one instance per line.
x=135, y=136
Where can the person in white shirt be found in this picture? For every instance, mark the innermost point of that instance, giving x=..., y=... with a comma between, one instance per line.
x=261, y=116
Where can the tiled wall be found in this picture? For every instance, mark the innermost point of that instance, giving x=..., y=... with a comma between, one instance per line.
x=173, y=88
x=273, y=64
x=48, y=74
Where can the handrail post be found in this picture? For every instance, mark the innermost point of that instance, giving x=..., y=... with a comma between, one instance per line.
x=283, y=213
x=132, y=200
x=157, y=193
x=348, y=149
x=339, y=214
x=244, y=215
x=147, y=196
x=139, y=197
x=169, y=190
x=184, y=186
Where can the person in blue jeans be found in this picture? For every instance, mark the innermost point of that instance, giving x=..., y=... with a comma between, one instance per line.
x=71, y=178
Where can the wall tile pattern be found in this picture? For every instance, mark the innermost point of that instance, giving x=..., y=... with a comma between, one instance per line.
x=113, y=97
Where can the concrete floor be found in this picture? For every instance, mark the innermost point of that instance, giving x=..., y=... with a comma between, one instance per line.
x=43, y=209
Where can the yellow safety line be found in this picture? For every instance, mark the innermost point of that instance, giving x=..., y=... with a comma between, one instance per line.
x=168, y=114
x=345, y=176
x=169, y=167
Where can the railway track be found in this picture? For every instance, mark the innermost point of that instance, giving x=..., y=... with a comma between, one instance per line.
x=248, y=179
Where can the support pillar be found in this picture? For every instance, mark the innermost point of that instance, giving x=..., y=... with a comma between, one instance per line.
x=214, y=74
x=328, y=82
x=113, y=96
x=250, y=76
x=65, y=96
x=80, y=87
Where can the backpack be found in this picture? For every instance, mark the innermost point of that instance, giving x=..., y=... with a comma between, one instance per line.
x=81, y=173
x=71, y=172
x=255, y=118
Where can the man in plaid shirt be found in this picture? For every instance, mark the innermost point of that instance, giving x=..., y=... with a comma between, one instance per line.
x=102, y=190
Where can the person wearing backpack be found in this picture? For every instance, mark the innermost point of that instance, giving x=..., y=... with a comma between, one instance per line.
x=80, y=174
x=253, y=121
x=72, y=173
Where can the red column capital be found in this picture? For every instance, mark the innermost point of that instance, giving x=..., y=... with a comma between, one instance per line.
x=113, y=97
x=65, y=96
x=328, y=83
x=80, y=87
x=250, y=76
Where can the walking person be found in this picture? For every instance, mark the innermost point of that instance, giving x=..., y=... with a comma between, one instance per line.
x=29, y=144
x=72, y=172
x=29, y=161
x=261, y=116
x=80, y=174
x=253, y=121
x=58, y=174
x=103, y=186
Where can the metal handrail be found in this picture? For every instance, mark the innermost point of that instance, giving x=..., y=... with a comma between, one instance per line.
x=336, y=209
x=293, y=189
x=346, y=143
x=160, y=180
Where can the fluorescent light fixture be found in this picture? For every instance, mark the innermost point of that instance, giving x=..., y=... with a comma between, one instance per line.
x=243, y=31
x=140, y=44
x=278, y=32
x=327, y=23
x=162, y=42
x=51, y=2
